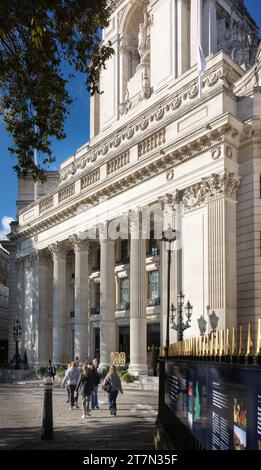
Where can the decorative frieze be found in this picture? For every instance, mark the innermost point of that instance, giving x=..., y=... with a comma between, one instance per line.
x=152, y=142
x=210, y=188
x=118, y=162
x=90, y=179
x=46, y=204
x=66, y=193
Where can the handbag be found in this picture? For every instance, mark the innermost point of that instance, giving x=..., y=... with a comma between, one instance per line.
x=107, y=387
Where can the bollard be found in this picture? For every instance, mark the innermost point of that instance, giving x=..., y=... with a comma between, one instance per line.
x=47, y=426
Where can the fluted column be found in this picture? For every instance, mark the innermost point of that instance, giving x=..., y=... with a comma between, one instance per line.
x=45, y=333
x=107, y=302
x=138, y=322
x=81, y=292
x=60, y=323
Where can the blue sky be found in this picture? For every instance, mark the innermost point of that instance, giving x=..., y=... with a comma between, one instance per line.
x=77, y=130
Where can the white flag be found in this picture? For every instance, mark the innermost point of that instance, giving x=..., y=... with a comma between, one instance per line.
x=202, y=64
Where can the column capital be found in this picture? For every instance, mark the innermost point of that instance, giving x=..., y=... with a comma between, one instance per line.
x=58, y=249
x=79, y=244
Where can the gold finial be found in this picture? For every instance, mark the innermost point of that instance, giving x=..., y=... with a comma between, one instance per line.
x=249, y=339
x=221, y=343
x=258, y=339
x=217, y=343
x=241, y=343
x=227, y=351
x=234, y=342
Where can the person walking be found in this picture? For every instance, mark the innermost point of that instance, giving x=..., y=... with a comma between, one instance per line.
x=112, y=385
x=96, y=381
x=71, y=378
x=51, y=371
x=85, y=387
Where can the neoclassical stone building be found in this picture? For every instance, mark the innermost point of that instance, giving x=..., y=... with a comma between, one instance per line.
x=158, y=143
x=4, y=291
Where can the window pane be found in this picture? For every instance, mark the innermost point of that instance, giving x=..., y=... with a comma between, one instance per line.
x=153, y=287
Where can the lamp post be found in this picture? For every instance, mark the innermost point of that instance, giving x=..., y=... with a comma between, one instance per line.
x=213, y=318
x=168, y=237
x=17, y=332
x=180, y=325
x=202, y=323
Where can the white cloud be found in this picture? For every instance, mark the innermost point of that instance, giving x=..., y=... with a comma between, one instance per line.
x=5, y=228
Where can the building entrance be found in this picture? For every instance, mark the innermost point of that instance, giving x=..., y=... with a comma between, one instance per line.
x=124, y=341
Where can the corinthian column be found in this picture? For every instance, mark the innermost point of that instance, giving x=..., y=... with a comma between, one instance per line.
x=81, y=292
x=60, y=333
x=107, y=303
x=138, y=322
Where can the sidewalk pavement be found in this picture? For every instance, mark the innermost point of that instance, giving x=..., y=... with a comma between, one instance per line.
x=21, y=408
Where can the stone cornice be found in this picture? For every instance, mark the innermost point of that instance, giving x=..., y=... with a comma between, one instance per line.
x=122, y=182
x=121, y=138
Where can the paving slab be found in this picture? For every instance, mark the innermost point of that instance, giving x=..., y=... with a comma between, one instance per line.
x=21, y=408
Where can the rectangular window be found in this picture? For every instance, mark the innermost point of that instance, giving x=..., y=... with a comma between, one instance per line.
x=125, y=291
x=97, y=298
x=124, y=250
x=154, y=286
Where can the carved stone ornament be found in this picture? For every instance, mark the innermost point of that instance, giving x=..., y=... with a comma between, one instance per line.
x=210, y=188
x=58, y=249
x=215, y=153
x=176, y=102
x=130, y=133
x=117, y=141
x=79, y=243
x=83, y=163
x=144, y=123
x=169, y=200
x=159, y=113
x=212, y=79
x=170, y=175
x=193, y=91
x=105, y=149
x=229, y=152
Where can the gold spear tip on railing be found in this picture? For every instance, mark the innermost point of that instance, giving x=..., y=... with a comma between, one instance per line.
x=258, y=338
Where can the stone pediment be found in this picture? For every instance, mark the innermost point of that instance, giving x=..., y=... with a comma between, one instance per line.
x=251, y=79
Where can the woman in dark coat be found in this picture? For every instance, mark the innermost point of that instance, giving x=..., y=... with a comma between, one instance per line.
x=85, y=387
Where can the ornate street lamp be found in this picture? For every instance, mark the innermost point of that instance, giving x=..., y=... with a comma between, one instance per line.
x=168, y=237
x=180, y=325
x=213, y=318
x=202, y=323
x=17, y=332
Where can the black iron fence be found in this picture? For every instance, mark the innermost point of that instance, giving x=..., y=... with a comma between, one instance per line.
x=210, y=395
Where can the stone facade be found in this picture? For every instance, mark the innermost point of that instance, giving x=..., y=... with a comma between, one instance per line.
x=4, y=291
x=157, y=146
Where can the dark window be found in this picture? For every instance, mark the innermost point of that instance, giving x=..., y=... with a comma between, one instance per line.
x=97, y=297
x=124, y=250
x=153, y=285
x=125, y=290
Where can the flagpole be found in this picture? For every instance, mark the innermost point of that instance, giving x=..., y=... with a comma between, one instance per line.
x=199, y=44
x=35, y=162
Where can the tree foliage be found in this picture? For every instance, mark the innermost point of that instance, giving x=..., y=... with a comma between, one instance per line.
x=37, y=37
